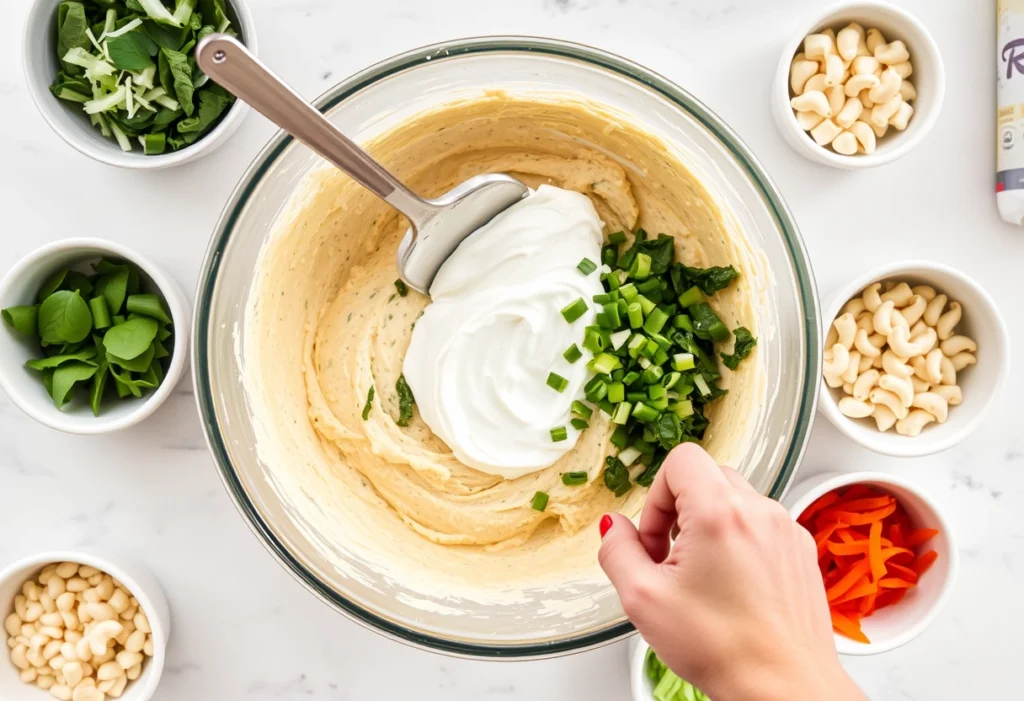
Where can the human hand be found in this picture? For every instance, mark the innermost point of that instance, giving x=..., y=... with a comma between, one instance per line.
x=736, y=604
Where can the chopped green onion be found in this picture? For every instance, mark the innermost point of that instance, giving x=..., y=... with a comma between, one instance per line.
x=670, y=380
x=683, y=322
x=621, y=415
x=540, y=501
x=593, y=341
x=613, y=280
x=559, y=434
x=628, y=456
x=660, y=358
x=620, y=437
x=702, y=385
x=655, y=321
x=611, y=312
x=557, y=382
x=663, y=343
x=100, y=312
x=368, y=405
x=153, y=144
x=604, y=363
x=645, y=304
x=574, y=479
x=635, y=314
x=681, y=362
x=609, y=255
x=607, y=407
x=656, y=391
x=616, y=392
x=579, y=424
x=636, y=396
x=586, y=266
x=617, y=238
x=641, y=266
x=652, y=374
x=661, y=403
x=691, y=297
x=644, y=413
x=619, y=338
x=628, y=292
x=631, y=377
x=650, y=348
x=604, y=297
x=572, y=353
x=683, y=409
x=596, y=391
x=575, y=310
x=581, y=409
x=603, y=321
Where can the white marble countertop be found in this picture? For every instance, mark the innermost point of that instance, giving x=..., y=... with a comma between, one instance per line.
x=243, y=629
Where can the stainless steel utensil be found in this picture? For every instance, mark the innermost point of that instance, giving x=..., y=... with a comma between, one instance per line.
x=437, y=226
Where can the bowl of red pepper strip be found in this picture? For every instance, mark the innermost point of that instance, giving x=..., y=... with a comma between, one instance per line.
x=886, y=555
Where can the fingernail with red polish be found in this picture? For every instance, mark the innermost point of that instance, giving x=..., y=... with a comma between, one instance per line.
x=606, y=524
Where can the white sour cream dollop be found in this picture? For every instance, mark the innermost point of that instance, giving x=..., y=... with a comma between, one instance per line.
x=480, y=355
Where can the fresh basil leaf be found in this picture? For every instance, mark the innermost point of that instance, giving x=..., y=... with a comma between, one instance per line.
x=131, y=339
x=114, y=287
x=131, y=51
x=148, y=305
x=22, y=319
x=53, y=361
x=71, y=32
x=405, y=401
x=149, y=379
x=136, y=364
x=742, y=347
x=179, y=74
x=65, y=377
x=125, y=384
x=64, y=317
x=52, y=284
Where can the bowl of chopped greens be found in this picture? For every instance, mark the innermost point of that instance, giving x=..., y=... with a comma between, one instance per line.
x=93, y=336
x=651, y=680
x=118, y=81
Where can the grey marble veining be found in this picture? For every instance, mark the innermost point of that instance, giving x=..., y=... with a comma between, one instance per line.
x=243, y=629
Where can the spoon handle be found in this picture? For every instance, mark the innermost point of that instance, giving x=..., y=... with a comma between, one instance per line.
x=231, y=65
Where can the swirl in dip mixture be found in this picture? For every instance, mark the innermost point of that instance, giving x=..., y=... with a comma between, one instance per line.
x=448, y=510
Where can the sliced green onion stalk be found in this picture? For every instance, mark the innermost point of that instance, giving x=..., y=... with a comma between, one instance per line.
x=644, y=413
x=604, y=363
x=702, y=385
x=572, y=353
x=655, y=321
x=641, y=266
x=691, y=297
x=540, y=501
x=683, y=409
x=616, y=392
x=619, y=338
x=628, y=456
x=574, y=479
x=617, y=238
x=557, y=382
x=586, y=266
x=573, y=311
x=621, y=414
x=681, y=362
x=559, y=434
x=100, y=312
x=107, y=103
x=122, y=140
x=620, y=437
x=581, y=409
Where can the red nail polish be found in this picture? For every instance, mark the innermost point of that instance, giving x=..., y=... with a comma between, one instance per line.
x=606, y=524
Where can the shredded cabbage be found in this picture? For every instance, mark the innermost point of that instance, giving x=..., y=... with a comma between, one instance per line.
x=122, y=140
x=156, y=11
x=95, y=67
x=104, y=104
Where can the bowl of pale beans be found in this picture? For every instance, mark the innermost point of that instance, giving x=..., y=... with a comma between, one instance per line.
x=80, y=627
x=914, y=355
x=860, y=85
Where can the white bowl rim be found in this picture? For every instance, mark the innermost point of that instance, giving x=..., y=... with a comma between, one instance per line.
x=879, y=157
x=137, y=161
x=154, y=667
x=913, y=448
x=826, y=482
x=180, y=317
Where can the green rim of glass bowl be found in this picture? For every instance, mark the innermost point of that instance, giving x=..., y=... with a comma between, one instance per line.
x=443, y=51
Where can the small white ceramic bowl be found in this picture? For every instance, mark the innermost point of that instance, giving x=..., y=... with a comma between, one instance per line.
x=24, y=387
x=39, y=56
x=981, y=383
x=639, y=685
x=893, y=626
x=929, y=79
x=142, y=585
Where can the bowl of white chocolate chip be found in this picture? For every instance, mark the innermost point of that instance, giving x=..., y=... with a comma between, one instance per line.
x=81, y=628
x=860, y=86
x=914, y=354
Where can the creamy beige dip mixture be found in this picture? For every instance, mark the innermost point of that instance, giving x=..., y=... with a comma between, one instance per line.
x=325, y=324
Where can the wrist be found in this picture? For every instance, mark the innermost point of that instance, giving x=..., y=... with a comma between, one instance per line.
x=809, y=681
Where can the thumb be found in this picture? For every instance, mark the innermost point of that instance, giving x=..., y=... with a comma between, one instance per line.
x=622, y=556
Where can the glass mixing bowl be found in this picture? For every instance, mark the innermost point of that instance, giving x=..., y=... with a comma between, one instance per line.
x=376, y=100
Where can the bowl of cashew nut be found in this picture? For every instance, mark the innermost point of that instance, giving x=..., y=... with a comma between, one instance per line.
x=81, y=627
x=914, y=354
x=859, y=86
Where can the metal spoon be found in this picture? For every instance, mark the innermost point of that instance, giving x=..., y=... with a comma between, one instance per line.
x=438, y=226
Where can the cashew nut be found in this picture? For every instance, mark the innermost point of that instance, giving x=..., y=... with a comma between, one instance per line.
x=926, y=291
x=945, y=324
x=895, y=365
x=934, y=404
x=958, y=344
x=845, y=144
x=906, y=346
x=863, y=343
x=874, y=39
x=948, y=371
x=859, y=83
x=812, y=101
x=849, y=112
x=951, y=393
x=834, y=70
x=865, y=364
x=848, y=39
x=962, y=360
x=872, y=298
x=882, y=319
x=919, y=384
x=933, y=366
x=901, y=119
x=818, y=46
x=816, y=83
x=826, y=132
x=891, y=53
x=888, y=87
x=850, y=374
x=808, y=120
x=865, y=321
x=855, y=306
x=934, y=309
x=900, y=386
x=907, y=91
x=884, y=418
x=889, y=400
x=855, y=409
x=864, y=133
x=912, y=424
x=905, y=69
x=914, y=310
x=799, y=73
x=865, y=65
x=881, y=113
x=864, y=384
